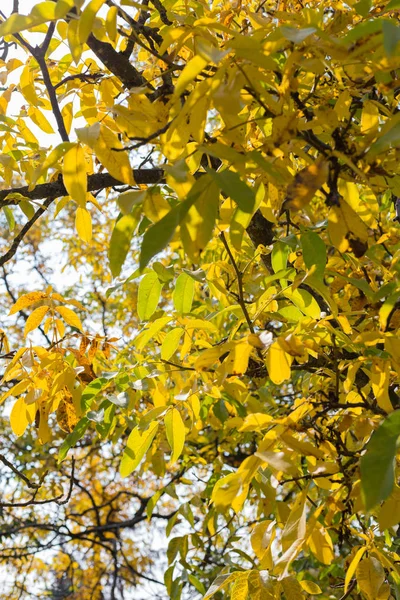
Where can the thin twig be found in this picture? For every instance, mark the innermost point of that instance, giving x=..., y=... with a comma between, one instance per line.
x=239, y=276
x=19, y=474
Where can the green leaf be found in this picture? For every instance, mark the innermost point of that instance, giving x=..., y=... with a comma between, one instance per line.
x=296, y=35
x=377, y=464
x=121, y=238
x=10, y=217
x=183, y=293
x=231, y=184
x=128, y=200
x=171, y=342
x=27, y=208
x=391, y=37
x=314, y=252
x=148, y=296
x=161, y=233
x=92, y=390
x=392, y=5
x=363, y=7
x=137, y=445
x=73, y=438
x=389, y=139
x=165, y=274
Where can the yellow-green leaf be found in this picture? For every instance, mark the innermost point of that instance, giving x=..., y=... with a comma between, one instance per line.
x=121, y=238
x=183, y=293
x=175, y=431
x=370, y=576
x=310, y=587
x=148, y=295
x=171, y=342
x=137, y=445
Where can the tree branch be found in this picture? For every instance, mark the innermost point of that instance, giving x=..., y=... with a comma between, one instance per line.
x=98, y=181
x=19, y=474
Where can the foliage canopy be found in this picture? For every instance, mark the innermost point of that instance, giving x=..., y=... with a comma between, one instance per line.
x=201, y=391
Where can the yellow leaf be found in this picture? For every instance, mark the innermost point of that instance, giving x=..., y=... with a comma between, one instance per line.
x=66, y=413
x=69, y=317
x=240, y=590
x=369, y=117
x=261, y=539
x=21, y=415
x=111, y=23
x=83, y=224
x=305, y=185
x=292, y=589
x=44, y=431
x=310, y=587
x=380, y=379
x=208, y=357
x=40, y=120
x=353, y=566
x=389, y=512
x=295, y=527
x=347, y=230
x=237, y=361
x=342, y=106
x=16, y=23
x=88, y=135
x=278, y=363
x=87, y=18
x=67, y=115
x=370, y=576
x=27, y=86
x=74, y=174
x=321, y=545
x=226, y=490
x=60, y=328
x=35, y=318
x=27, y=300
x=16, y=390
x=175, y=431
x=155, y=207
x=191, y=70
x=73, y=40
x=116, y=163
x=256, y=422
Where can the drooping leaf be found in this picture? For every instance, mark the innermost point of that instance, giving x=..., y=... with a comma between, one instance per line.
x=377, y=464
x=175, y=431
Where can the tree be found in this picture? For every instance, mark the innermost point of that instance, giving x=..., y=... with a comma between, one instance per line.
x=199, y=254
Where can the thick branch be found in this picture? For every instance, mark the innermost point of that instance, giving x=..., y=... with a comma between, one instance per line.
x=117, y=63
x=98, y=181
